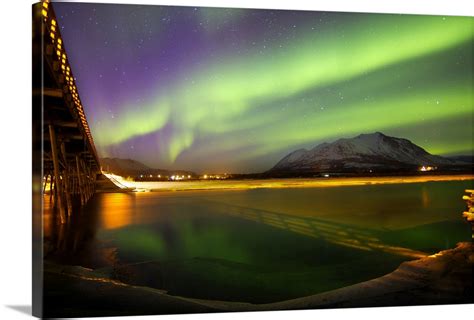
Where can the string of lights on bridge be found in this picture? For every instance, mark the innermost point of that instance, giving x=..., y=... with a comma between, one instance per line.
x=57, y=42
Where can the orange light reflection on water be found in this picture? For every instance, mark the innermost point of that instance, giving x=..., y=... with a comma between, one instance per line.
x=48, y=218
x=117, y=210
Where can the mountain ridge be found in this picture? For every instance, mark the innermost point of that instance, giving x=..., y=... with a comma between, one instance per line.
x=130, y=167
x=365, y=152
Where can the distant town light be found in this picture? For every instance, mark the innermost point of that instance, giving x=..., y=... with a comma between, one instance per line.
x=427, y=168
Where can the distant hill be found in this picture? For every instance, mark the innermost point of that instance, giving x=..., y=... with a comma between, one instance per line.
x=375, y=152
x=129, y=167
x=115, y=165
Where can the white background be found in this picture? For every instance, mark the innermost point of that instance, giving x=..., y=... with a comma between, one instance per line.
x=15, y=155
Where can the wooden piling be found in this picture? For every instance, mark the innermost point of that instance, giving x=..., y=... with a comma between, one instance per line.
x=86, y=180
x=79, y=181
x=58, y=184
x=45, y=182
x=52, y=186
x=66, y=183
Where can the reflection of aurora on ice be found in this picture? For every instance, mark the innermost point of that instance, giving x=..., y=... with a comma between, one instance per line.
x=347, y=235
x=207, y=237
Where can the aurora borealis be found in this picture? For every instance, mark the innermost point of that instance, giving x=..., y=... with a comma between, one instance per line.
x=234, y=90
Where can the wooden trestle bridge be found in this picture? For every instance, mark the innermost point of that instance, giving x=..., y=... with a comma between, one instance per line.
x=70, y=164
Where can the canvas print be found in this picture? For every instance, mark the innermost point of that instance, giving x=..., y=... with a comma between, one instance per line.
x=195, y=159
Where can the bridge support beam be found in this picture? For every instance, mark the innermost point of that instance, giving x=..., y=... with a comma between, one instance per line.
x=67, y=181
x=70, y=177
x=80, y=184
x=58, y=194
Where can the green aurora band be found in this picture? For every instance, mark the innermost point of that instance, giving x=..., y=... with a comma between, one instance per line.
x=376, y=73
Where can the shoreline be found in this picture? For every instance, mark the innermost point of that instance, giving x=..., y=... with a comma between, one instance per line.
x=442, y=278
x=227, y=185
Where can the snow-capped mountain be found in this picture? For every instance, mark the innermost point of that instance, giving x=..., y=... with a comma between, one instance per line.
x=374, y=151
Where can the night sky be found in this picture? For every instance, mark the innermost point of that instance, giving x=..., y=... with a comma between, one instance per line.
x=233, y=90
